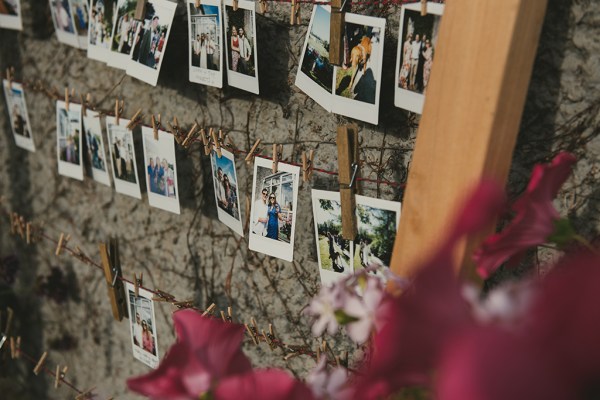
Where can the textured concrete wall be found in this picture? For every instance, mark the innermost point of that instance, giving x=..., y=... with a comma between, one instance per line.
x=192, y=255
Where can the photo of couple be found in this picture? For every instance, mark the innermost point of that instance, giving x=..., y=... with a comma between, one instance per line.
x=150, y=39
x=226, y=190
x=205, y=42
x=123, y=156
x=273, y=214
x=92, y=126
x=272, y=210
x=334, y=251
x=69, y=135
x=142, y=325
x=240, y=39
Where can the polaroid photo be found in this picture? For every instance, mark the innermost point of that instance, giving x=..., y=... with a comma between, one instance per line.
x=274, y=207
x=100, y=28
x=377, y=222
x=358, y=82
x=10, y=15
x=96, y=154
x=417, y=42
x=68, y=140
x=62, y=17
x=240, y=29
x=81, y=14
x=205, y=42
x=334, y=253
x=122, y=154
x=124, y=31
x=226, y=190
x=161, y=170
x=315, y=75
x=150, y=42
x=142, y=321
x=19, y=117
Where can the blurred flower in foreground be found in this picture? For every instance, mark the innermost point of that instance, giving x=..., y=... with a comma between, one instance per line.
x=206, y=352
x=536, y=219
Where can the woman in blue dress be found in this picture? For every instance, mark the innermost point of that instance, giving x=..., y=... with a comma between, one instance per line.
x=274, y=213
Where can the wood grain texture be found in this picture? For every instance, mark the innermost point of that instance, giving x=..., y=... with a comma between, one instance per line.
x=470, y=121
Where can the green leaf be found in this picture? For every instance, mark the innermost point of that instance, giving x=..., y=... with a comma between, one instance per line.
x=563, y=233
x=344, y=319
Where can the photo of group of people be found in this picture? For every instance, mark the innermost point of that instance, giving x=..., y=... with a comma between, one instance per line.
x=351, y=89
x=416, y=48
x=150, y=41
x=143, y=325
x=377, y=222
x=122, y=153
x=226, y=190
x=273, y=214
x=69, y=21
x=19, y=117
x=206, y=42
x=102, y=13
x=240, y=28
x=96, y=158
x=10, y=14
x=68, y=134
x=161, y=170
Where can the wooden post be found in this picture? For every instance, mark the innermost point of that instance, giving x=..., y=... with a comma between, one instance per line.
x=471, y=117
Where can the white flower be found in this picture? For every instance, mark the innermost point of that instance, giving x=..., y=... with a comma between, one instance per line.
x=328, y=384
x=364, y=310
x=323, y=307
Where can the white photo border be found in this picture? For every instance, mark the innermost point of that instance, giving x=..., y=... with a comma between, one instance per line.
x=14, y=22
x=66, y=168
x=235, y=225
x=200, y=75
x=93, y=120
x=139, y=353
x=20, y=141
x=122, y=186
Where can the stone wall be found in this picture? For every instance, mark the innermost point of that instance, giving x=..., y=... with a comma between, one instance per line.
x=194, y=256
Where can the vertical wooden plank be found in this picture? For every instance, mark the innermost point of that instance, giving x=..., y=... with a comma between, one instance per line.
x=470, y=121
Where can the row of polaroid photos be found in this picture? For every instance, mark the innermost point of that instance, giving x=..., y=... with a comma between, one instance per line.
x=273, y=218
x=353, y=88
x=160, y=166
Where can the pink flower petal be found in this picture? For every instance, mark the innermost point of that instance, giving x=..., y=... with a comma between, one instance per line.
x=271, y=384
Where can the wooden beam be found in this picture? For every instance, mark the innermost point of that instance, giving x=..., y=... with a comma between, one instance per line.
x=471, y=117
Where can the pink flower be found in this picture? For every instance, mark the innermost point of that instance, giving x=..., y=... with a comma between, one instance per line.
x=364, y=309
x=270, y=384
x=553, y=354
x=418, y=324
x=323, y=307
x=534, y=220
x=326, y=384
x=206, y=352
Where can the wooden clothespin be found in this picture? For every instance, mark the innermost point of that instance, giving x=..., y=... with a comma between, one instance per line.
x=137, y=282
x=112, y=269
x=336, y=32
x=136, y=119
x=67, y=98
x=190, y=136
x=205, y=141
x=307, y=165
x=253, y=151
x=262, y=6
x=347, y=144
x=277, y=154
x=140, y=10
x=118, y=110
x=40, y=363
x=10, y=72
x=197, y=4
x=235, y=5
x=28, y=232
x=59, y=375
x=216, y=142
x=295, y=13
x=62, y=242
x=15, y=347
x=229, y=315
x=155, y=126
x=423, y=8
x=251, y=333
x=209, y=310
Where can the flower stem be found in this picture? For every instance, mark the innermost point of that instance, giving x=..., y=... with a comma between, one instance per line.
x=583, y=241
